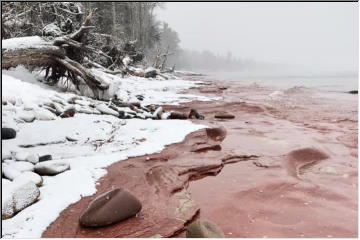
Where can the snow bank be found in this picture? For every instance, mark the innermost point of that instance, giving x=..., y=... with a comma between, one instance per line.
x=60, y=191
x=154, y=90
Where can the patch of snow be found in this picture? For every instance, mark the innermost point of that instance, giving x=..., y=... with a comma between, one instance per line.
x=25, y=42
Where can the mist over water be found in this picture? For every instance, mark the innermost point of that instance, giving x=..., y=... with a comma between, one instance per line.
x=286, y=44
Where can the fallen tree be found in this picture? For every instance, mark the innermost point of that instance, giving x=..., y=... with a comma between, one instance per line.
x=61, y=57
x=72, y=55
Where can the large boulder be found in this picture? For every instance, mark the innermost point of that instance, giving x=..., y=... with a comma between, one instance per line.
x=29, y=176
x=18, y=196
x=8, y=133
x=10, y=172
x=111, y=207
x=52, y=167
x=204, y=229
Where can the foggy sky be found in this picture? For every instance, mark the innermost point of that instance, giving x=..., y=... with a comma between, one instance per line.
x=320, y=36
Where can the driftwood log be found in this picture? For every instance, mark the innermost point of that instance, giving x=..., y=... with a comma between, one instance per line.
x=61, y=57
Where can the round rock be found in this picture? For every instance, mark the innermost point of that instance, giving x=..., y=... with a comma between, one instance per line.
x=18, y=196
x=10, y=172
x=69, y=112
x=33, y=158
x=29, y=176
x=8, y=133
x=204, y=229
x=224, y=115
x=21, y=156
x=52, y=167
x=21, y=166
x=111, y=207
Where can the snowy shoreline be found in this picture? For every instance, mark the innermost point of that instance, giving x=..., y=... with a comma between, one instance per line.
x=101, y=141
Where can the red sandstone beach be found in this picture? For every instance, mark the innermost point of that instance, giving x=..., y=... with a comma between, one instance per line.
x=283, y=167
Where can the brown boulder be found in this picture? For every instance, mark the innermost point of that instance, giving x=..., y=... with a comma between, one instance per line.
x=194, y=114
x=178, y=115
x=204, y=229
x=111, y=207
x=224, y=115
x=70, y=112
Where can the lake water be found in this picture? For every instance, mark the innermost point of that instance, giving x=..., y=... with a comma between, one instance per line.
x=339, y=84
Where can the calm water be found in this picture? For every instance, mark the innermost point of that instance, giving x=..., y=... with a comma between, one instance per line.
x=330, y=83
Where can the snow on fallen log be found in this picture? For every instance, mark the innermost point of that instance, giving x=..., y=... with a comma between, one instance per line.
x=29, y=51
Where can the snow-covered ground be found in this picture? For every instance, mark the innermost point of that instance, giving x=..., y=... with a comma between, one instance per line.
x=96, y=141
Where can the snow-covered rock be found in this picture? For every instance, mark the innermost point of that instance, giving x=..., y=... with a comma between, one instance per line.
x=43, y=114
x=158, y=112
x=73, y=137
x=5, y=154
x=27, y=117
x=5, y=182
x=21, y=156
x=26, y=156
x=84, y=109
x=33, y=158
x=18, y=196
x=29, y=176
x=68, y=112
x=7, y=205
x=59, y=109
x=28, y=106
x=82, y=102
x=165, y=115
x=21, y=166
x=106, y=110
x=52, y=167
x=10, y=172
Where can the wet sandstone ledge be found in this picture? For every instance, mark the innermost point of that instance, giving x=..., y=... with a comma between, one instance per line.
x=262, y=173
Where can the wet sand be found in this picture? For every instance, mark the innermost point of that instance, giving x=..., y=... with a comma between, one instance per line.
x=282, y=168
